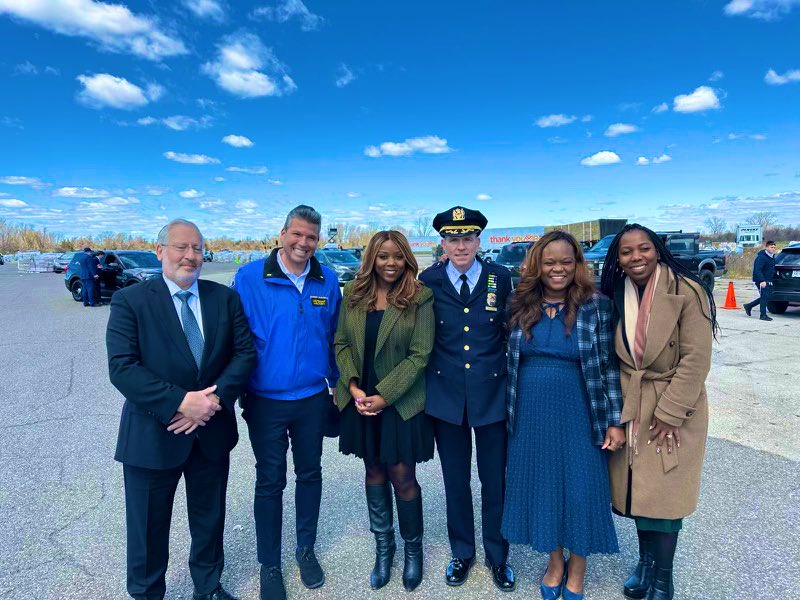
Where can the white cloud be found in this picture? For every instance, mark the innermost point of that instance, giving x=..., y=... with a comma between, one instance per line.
x=113, y=26
x=274, y=182
x=33, y=182
x=429, y=144
x=249, y=170
x=345, y=76
x=642, y=161
x=206, y=9
x=557, y=139
x=716, y=76
x=239, y=68
x=179, y=122
x=555, y=120
x=483, y=197
x=766, y=10
x=26, y=68
x=605, y=157
x=151, y=190
x=219, y=179
x=660, y=108
x=287, y=10
x=81, y=192
x=191, y=159
x=192, y=193
x=12, y=203
x=773, y=78
x=586, y=118
x=211, y=203
x=703, y=98
x=103, y=90
x=238, y=141
x=353, y=195
x=662, y=158
x=758, y=136
x=247, y=206
x=620, y=129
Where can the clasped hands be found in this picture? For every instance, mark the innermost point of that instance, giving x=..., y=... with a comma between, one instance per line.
x=195, y=411
x=367, y=406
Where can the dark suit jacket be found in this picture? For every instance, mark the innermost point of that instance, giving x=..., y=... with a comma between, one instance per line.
x=473, y=334
x=150, y=363
x=405, y=339
x=89, y=266
x=763, y=267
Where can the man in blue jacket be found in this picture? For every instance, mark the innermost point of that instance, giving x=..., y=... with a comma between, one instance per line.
x=763, y=274
x=466, y=390
x=89, y=277
x=292, y=304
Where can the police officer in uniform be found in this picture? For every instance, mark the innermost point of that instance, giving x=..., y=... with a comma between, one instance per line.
x=466, y=385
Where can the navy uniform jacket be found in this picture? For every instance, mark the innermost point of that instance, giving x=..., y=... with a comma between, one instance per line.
x=89, y=265
x=467, y=368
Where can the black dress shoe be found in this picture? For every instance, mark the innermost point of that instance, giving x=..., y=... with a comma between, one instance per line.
x=748, y=309
x=217, y=594
x=310, y=572
x=271, y=581
x=503, y=576
x=457, y=570
x=765, y=318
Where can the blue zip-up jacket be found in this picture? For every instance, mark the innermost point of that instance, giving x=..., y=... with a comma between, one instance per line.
x=293, y=332
x=763, y=267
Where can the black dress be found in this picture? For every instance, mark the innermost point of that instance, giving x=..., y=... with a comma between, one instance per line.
x=385, y=438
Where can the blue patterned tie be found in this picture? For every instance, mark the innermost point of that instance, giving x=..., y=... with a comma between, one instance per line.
x=190, y=327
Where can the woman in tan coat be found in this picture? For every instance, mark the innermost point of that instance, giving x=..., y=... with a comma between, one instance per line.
x=666, y=321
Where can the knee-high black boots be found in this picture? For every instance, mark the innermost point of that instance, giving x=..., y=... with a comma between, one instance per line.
x=379, y=503
x=637, y=585
x=409, y=517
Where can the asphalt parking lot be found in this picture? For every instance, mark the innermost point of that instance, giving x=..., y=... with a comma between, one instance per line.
x=61, y=498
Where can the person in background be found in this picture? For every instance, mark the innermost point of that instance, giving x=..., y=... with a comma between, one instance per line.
x=292, y=305
x=383, y=341
x=98, y=257
x=88, y=272
x=763, y=274
x=665, y=322
x=180, y=351
x=564, y=405
x=465, y=391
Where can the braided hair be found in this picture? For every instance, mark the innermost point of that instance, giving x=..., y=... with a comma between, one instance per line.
x=613, y=274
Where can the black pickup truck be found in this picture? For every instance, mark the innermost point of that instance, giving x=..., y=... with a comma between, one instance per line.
x=685, y=247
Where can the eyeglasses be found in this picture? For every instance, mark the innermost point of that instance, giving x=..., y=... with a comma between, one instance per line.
x=182, y=248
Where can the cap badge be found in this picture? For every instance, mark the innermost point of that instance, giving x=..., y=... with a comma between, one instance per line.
x=458, y=214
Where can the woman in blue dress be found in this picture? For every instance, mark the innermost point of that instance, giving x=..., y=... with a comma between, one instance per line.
x=564, y=403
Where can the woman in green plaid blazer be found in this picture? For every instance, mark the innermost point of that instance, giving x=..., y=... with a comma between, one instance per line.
x=384, y=338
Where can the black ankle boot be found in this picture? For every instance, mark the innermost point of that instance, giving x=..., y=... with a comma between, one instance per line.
x=662, y=585
x=637, y=585
x=379, y=503
x=409, y=517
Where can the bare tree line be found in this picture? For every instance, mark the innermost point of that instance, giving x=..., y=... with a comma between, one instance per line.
x=720, y=230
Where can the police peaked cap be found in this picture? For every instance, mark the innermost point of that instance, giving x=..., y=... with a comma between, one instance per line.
x=459, y=221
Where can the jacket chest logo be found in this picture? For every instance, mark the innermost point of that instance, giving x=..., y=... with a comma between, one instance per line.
x=319, y=301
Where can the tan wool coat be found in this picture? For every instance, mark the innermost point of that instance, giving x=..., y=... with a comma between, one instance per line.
x=671, y=386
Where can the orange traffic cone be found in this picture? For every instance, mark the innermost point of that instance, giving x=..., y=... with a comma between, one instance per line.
x=730, y=298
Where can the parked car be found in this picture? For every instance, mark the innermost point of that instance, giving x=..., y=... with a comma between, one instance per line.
x=119, y=269
x=511, y=256
x=61, y=263
x=344, y=263
x=491, y=254
x=208, y=256
x=596, y=257
x=786, y=285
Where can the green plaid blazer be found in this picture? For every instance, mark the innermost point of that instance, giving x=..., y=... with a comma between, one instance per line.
x=405, y=340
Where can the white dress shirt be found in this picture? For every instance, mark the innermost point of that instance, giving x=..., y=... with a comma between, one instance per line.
x=298, y=280
x=194, y=301
x=473, y=275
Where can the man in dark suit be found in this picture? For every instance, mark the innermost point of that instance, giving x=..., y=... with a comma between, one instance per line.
x=465, y=390
x=89, y=277
x=763, y=274
x=181, y=352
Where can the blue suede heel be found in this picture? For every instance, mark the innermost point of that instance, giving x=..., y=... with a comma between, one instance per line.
x=554, y=591
x=568, y=595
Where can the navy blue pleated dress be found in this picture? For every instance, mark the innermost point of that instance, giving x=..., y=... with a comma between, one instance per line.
x=557, y=491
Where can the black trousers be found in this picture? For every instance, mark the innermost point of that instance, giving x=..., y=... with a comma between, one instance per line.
x=271, y=423
x=764, y=296
x=454, y=443
x=149, y=496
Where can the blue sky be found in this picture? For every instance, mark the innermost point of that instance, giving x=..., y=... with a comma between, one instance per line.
x=117, y=117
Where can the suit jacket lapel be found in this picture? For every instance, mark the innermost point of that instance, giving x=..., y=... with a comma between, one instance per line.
x=480, y=287
x=210, y=309
x=358, y=317
x=664, y=314
x=390, y=317
x=447, y=286
x=172, y=324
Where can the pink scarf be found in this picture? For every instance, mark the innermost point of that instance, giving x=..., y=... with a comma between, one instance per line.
x=637, y=321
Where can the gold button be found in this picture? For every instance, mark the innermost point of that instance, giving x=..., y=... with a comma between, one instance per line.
x=466, y=327
x=466, y=310
x=466, y=347
x=466, y=366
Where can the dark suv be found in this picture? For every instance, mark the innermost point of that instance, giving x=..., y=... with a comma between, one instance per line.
x=511, y=257
x=120, y=268
x=786, y=285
